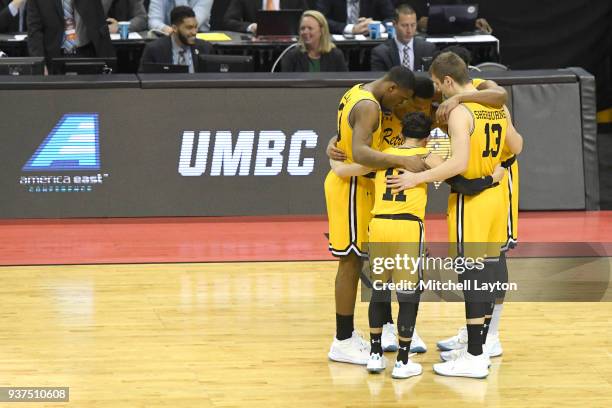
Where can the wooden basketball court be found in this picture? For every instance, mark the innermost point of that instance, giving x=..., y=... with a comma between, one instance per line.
x=256, y=333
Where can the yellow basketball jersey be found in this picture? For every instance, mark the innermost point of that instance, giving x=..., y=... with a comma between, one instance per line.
x=477, y=81
x=487, y=139
x=412, y=201
x=391, y=134
x=345, y=130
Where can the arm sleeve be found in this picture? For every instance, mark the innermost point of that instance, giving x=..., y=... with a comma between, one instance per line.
x=467, y=186
x=35, y=33
x=156, y=15
x=138, y=14
x=202, y=11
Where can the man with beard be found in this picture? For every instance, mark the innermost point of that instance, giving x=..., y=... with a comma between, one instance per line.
x=181, y=47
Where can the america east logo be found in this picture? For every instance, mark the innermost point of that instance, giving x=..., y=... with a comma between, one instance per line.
x=72, y=146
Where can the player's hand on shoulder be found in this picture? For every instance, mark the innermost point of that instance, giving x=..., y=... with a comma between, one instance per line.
x=414, y=164
x=402, y=181
x=445, y=108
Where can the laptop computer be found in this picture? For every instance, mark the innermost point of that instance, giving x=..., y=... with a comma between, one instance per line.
x=159, y=68
x=224, y=63
x=451, y=19
x=280, y=23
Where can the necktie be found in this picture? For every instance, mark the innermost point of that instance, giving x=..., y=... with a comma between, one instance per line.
x=270, y=5
x=70, y=37
x=181, y=57
x=353, y=12
x=406, y=57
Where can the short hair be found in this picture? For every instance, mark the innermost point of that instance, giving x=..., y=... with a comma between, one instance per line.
x=423, y=87
x=402, y=76
x=462, y=52
x=178, y=14
x=416, y=125
x=450, y=64
x=326, y=44
x=403, y=9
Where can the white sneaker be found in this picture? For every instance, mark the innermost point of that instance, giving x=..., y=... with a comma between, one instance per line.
x=456, y=342
x=465, y=365
x=389, y=338
x=455, y=354
x=417, y=345
x=493, y=345
x=401, y=370
x=354, y=350
x=376, y=363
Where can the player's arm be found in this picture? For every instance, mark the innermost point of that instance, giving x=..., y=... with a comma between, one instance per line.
x=346, y=170
x=487, y=93
x=333, y=151
x=365, y=115
x=460, y=128
x=514, y=140
x=474, y=186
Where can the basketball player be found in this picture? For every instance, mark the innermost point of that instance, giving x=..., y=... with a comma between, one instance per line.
x=397, y=227
x=349, y=201
x=478, y=134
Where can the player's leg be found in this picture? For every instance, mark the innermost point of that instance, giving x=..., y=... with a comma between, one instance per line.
x=377, y=316
x=341, y=196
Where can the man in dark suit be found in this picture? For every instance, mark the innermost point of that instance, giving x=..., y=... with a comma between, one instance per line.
x=240, y=15
x=405, y=49
x=353, y=16
x=63, y=28
x=12, y=16
x=181, y=47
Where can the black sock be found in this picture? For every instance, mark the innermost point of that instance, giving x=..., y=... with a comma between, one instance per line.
x=475, y=336
x=375, y=344
x=404, y=350
x=344, y=327
x=388, y=317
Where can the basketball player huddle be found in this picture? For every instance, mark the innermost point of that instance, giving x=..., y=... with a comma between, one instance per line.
x=376, y=193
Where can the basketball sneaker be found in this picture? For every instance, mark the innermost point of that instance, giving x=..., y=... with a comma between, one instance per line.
x=417, y=345
x=376, y=363
x=465, y=365
x=389, y=340
x=455, y=354
x=455, y=342
x=354, y=350
x=493, y=345
x=401, y=370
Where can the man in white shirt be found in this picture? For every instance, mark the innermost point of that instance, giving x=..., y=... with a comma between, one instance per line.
x=405, y=49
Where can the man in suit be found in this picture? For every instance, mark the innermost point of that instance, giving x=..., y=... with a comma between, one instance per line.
x=181, y=47
x=68, y=28
x=353, y=16
x=12, y=16
x=411, y=52
x=241, y=14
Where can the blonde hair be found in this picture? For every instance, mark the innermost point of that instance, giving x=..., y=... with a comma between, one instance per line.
x=325, y=44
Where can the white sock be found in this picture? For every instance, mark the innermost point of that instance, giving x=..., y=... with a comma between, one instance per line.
x=494, y=325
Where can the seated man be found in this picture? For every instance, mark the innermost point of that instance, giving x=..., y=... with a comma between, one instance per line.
x=181, y=47
x=240, y=15
x=411, y=52
x=125, y=10
x=12, y=16
x=159, y=13
x=354, y=16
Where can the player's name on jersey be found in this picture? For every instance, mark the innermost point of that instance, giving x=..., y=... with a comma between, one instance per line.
x=449, y=285
x=490, y=114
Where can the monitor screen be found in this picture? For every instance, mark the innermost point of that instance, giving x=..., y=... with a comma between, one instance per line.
x=225, y=63
x=22, y=66
x=83, y=66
